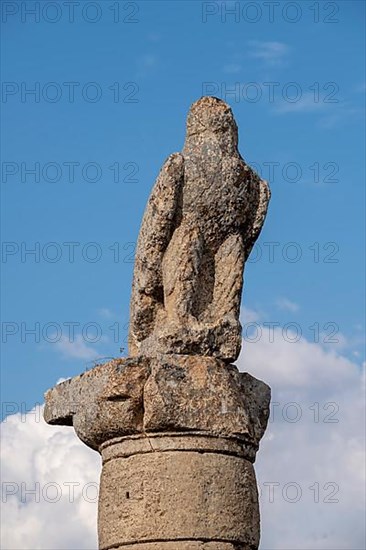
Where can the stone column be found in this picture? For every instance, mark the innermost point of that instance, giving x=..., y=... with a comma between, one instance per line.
x=177, y=425
x=178, y=436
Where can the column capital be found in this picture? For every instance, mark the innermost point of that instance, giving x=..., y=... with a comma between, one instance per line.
x=167, y=393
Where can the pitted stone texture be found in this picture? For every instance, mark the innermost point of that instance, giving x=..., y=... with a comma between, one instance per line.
x=161, y=442
x=202, y=393
x=169, y=392
x=203, y=217
x=256, y=399
x=192, y=487
x=184, y=545
x=178, y=495
x=102, y=403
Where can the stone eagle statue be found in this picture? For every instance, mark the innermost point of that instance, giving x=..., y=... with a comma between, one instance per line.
x=202, y=219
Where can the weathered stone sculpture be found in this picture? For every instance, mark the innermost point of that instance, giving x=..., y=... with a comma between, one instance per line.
x=177, y=425
x=204, y=214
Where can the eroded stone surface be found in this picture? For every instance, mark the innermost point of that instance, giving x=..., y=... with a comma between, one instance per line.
x=184, y=545
x=102, y=403
x=204, y=214
x=176, y=424
x=168, y=392
x=202, y=393
x=181, y=494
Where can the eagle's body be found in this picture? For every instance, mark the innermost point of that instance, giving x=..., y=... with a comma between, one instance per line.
x=203, y=216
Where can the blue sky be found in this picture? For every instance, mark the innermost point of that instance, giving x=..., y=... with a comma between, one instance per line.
x=110, y=102
x=167, y=59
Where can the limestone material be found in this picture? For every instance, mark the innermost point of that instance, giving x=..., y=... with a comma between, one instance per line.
x=201, y=489
x=178, y=436
x=102, y=403
x=202, y=393
x=184, y=545
x=202, y=219
x=177, y=425
x=177, y=392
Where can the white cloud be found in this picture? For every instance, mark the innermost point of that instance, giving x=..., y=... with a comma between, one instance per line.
x=319, y=457
x=77, y=349
x=287, y=305
x=60, y=380
x=332, y=338
x=106, y=313
x=232, y=68
x=272, y=53
x=269, y=53
x=146, y=64
x=344, y=114
x=46, y=459
x=332, y=113
x=301, y=102
x=248, y=315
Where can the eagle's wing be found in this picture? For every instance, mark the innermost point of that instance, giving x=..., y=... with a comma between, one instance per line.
x=156, y=230
x=259, y=196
